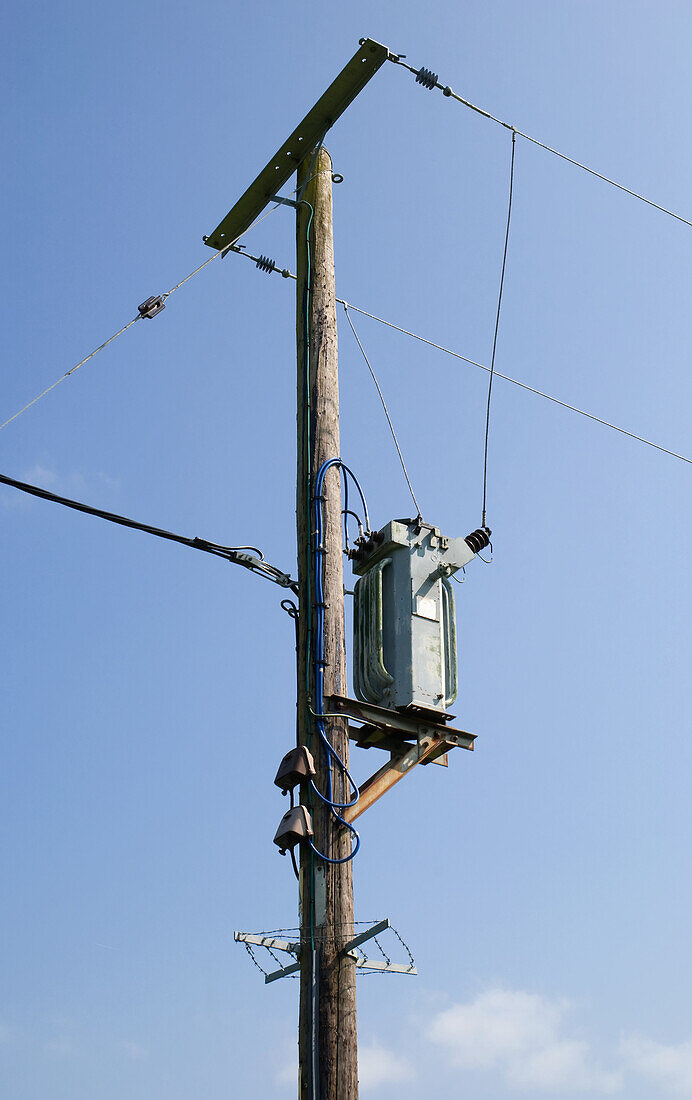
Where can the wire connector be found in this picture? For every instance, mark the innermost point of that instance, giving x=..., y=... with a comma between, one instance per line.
x=152, y=306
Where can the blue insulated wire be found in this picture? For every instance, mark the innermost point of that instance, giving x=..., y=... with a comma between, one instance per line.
x=331, y=753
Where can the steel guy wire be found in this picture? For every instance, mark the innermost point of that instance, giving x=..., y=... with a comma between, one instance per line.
x=386, y=410
x=497, y=327
x=521, y=385
x=223, y=252
x=482, y=366
x=429, y=80
x=72, y=370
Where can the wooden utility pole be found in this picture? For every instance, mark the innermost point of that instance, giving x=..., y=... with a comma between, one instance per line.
x=328, y=1038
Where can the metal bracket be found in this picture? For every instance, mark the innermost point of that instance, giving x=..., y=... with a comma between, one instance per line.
x=374, y=964
x=394, y=729
x=391, y=729
x=285, y=202
x=274, y=945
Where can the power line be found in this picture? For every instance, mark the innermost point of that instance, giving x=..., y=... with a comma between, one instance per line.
x=428, y=79
x=481, y=366
x=386, y=412
x=521, y=385
x=497, y=327
x=159, y=304
x=238, y=555
x=73, y=369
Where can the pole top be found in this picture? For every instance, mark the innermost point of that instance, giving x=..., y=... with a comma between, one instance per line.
x=369, y=57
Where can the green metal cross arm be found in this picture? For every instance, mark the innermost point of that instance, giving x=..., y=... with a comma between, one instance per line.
x=338, y=96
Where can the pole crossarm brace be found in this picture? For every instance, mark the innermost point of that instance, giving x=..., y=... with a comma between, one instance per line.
x=375, y=964
x=267, y=941
x=339, y=95
x=363, y=937
x=390, y=729
x=272, y=944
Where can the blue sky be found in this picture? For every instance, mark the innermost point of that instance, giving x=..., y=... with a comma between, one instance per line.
x=543, y=882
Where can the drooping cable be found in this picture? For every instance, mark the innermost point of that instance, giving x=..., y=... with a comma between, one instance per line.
x=237, y=555
x=429, y=79
x=497, y=328
x=386, y=411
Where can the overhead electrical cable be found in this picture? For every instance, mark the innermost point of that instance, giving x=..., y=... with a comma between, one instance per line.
x=482, y=366
x=158, y=304
x=238, y=555
x=386, y=410
x=497, y=328
x=521, y=385
x=428, y=79
x=72, y=370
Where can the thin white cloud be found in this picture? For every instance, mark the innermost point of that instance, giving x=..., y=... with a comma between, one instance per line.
x=61, y=1048
x=520, y=1034
x=668, y=1066
x=41, y=475
x=378, y=1066
x=134, y=1051
x=71, y=485
x=287, y=1074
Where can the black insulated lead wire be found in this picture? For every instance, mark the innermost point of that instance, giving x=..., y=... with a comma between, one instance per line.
x=497, y=328
x=237, y=555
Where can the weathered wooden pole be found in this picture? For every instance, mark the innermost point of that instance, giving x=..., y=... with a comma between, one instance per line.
x=328, y=1038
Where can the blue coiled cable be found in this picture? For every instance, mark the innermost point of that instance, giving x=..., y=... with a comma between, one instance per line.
x=331, y=753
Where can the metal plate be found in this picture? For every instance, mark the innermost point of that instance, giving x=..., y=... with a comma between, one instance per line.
x=350, y=81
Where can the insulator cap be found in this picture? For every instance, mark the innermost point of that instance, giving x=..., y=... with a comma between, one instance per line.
x=426, y=77
x=478, y=540
x=265, y=263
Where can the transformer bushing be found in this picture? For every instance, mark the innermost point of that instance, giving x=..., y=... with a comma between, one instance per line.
x=405, y=649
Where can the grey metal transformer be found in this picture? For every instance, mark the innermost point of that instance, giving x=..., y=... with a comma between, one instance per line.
x=405, y=647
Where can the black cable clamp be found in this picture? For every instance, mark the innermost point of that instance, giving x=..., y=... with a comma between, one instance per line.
x=152, y=306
